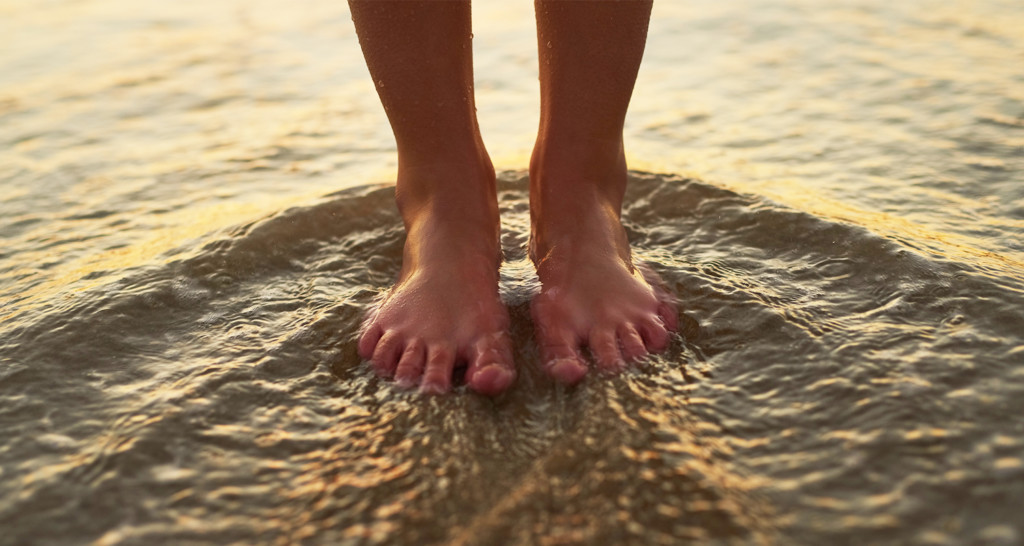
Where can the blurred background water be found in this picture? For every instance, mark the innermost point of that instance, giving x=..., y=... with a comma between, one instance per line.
x=193, y=224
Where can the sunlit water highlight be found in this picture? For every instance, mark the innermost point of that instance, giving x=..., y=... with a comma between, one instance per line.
x=192, y=231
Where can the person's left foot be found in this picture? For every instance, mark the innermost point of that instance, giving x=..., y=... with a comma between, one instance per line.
x=592, y=293
x=594, y=296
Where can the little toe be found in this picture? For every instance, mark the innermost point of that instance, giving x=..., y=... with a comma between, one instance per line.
x=669, y=315
x=437, y=376
x=605, y=349
x=410, y=365
x=491, y=370
x=385, y=355
x=633, y=347
x=654, y=334
x=368, y=341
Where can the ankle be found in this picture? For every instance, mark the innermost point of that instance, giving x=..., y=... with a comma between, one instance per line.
x=576, y=194
x=578, y=152
x=560, y=236
x=589, y=173
x=448, y=188
x=450, y=213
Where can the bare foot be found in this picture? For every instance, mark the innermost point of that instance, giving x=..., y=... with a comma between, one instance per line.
x=592, y=293
x=445, y=307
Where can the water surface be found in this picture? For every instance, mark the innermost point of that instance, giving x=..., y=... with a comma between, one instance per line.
x=195, y=216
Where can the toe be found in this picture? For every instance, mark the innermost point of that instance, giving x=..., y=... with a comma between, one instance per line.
x=410, y=365
x=491, y=370
x=560, y=353
x=669, y=315
x=666, y=309
x=605, y=349
x=492, y=379
x=559, y=346
x=633, y=347
x=568, y=371
x=437, y=377
x=368, y=341
x=385, y=355
x=654, y=334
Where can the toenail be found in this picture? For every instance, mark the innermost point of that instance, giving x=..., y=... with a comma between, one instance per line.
x=492, y=379
x=567, y=370
x=432, y=388
x=405, y=382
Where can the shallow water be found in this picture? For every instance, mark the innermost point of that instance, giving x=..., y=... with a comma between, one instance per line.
x=192, y=230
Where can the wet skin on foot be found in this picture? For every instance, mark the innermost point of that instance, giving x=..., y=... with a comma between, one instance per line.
x=617, y=311
x=444, y=311
x=419, y=349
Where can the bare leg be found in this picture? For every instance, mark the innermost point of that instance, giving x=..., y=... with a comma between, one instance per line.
x=593, y=295
x=445, y=307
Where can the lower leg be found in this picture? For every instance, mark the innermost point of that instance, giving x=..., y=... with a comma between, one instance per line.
x=592, y=293
x=445, y=307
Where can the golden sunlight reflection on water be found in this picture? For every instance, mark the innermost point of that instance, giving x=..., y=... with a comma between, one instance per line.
x=179, y=301
x=762, y=108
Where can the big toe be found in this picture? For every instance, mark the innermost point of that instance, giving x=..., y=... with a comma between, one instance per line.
x=559, y=351
x=560, y=354
x=567, y=371
x=492, y=379
x=491, y=369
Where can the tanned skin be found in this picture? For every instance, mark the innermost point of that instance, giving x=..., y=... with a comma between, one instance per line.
x=445, y=308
